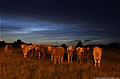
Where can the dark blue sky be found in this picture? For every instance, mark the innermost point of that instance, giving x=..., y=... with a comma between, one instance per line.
x=45, y=21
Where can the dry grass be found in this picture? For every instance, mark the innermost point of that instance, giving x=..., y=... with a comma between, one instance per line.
x=14, y=66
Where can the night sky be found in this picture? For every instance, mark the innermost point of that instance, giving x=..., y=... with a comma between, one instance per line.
x=48, y=21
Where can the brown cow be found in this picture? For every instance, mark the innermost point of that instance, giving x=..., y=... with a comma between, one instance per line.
x=70, y=50
x=57, y=52
x=26, y=48
x=97, y=53
x=50, y=51
x=80, y=51
x=86, y=53
x=8, y=49
x=37, y=49
x=43, y=50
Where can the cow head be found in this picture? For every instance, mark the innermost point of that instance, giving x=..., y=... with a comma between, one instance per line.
x=23, y=45
x=50, y=48
x=80, y=49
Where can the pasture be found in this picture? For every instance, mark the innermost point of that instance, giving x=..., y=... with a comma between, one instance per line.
x=14, y=66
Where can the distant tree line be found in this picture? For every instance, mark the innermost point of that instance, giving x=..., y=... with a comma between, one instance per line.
x=79, y=44
x=15, y=43
x=2, y=43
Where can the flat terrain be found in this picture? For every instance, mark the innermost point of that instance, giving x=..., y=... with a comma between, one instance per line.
x=14, y=66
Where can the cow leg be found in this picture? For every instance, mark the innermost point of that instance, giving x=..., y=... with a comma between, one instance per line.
x=95, y=62
x=59, y=59
x=62, y=59
x=10, y=51
x=55, y=59
x=77, y=58
x=5, y=51
x=71, y=59
x=87, y=55
x=99, y=62
x=80, y=58
x=85, y=58
x=24, y=56
x=44, y=55
x=39, y=55
x=32, y=53
x=51, y=58
x=68, y=58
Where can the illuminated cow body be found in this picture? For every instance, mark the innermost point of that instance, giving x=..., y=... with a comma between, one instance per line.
x=57, y=52
x=50, y=51
x=86, y=53
x=97, y=53
x=26, y=49
x=8, y=49
x=80, y=51
x=43, y=50
x=70, y=51
x=37, y=49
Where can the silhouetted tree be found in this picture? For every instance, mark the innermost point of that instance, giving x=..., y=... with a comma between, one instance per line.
x=79, y=44
x=2, y=43
x=30, y=44
x=114, y=45
x=18, y=43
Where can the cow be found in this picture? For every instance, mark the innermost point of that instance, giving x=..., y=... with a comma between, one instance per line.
x=80, y=51
x=97, y=53
x=57, y=53
x=8, y=49
x=43, y=50
x=50, y=51
x=86, y=53
x=26, y=48
x=37, y=49
x=70, y=50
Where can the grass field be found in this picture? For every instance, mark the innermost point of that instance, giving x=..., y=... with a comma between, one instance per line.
x=14, y=66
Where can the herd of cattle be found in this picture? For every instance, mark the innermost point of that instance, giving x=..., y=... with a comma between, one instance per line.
x=57, y=53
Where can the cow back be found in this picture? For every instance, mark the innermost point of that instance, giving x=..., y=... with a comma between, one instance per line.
x=58, y=51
